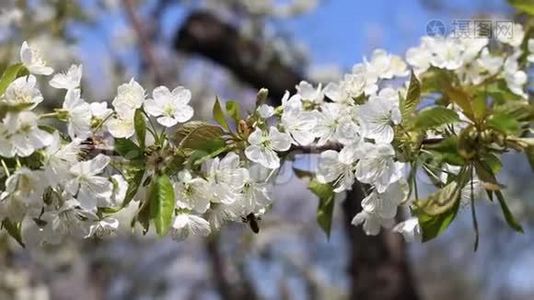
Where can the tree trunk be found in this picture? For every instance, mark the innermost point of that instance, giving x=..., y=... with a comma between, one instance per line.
x=379, y=267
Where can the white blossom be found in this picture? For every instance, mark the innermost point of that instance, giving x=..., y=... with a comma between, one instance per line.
x=378, y=116
x=308, y=93
x=69, y=80
x=385, y=204
x=338, y=168
x=185, y=225
x=23, y=191
x=327, y=122
x=410, y=229
x=300, y=124
x=378, y=167
x=120, y=188
x=510, y=33
x=66, y=220
x=263, y=147
x=130, y=96
x=192, y=193
x=384, y=65
x=170, y=108
x=23, y=92
x=90, y=189
x=32, y=60
x=226, y=178
x=255, y=191
x=78, y=114
x=371, y=222
x=103, y=228
x=420, y=57
x=446, y=54
x=121, y=126
x=514, y=77
x=265, y=111
x=22, y=136
x=58, y=159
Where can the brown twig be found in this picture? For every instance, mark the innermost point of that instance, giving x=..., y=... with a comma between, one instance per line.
x=315, y=149
x=144, y=42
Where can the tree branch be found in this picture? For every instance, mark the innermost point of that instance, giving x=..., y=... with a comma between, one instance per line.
x=144, y=42
x=204, y=34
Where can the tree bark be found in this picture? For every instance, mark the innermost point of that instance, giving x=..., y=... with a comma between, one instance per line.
x=379, y=267
x=204, y=34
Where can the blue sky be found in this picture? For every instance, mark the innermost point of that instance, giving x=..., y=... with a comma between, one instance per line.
x=342, y=31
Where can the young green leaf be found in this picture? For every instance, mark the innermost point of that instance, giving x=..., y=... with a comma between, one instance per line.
x=460, y=98
x=199, y=136
x=508, y=216
x=434, y=117
x=162, y=204
x=504, y=123
x=14, y=230
x=128, y=149
x=486, y=174
x=9, y=75
x=447, y=151
x=140, y=127
x=526, y=6
x=325, y=210
x=442, y=200
x=413, y=97
x=218, y=114
x=432, y=226
x=134, y=177
x=234, y=110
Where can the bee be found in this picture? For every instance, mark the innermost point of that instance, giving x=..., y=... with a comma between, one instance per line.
x=252, y=221
x=92, y=146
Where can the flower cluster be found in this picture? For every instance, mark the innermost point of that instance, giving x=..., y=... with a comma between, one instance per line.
x=449, y=111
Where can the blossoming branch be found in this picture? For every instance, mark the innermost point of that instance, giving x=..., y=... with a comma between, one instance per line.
x=447, y=111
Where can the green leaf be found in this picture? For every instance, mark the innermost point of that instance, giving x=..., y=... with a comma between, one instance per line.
x=487, y=176
x=143, y=214
x=175, y=164
x=134, y=177
x=508, y=216
x=432, y=226
x=128, y=149
x=413, y=97
x=325, y=210
x=14, y=230
x=479, y=106
x=442, y=200
x=234, y=110
x=518, y=110
x=9, y=75
x=526, y=6
x=460, y=98
x=140, y=127
x=447, y=151
x=162, y=203
x=500, y=93
x=218, y=114
x=303, y=174
x=434, y=117
x=504, y=123
x=197, y=135
x=439, y=210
